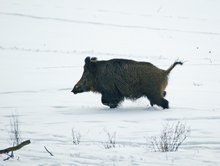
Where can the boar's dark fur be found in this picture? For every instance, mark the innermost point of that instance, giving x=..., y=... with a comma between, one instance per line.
x=117, y=79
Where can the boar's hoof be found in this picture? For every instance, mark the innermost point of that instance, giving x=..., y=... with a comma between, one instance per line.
x=151, y=103
x=111, y=105
x=165, y=104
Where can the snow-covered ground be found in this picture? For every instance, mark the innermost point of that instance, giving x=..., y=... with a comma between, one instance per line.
x=43, y=44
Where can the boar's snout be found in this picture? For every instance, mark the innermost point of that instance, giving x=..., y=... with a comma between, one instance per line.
x=76, y=89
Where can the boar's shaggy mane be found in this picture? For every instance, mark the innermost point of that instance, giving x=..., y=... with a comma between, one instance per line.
x=117, y=79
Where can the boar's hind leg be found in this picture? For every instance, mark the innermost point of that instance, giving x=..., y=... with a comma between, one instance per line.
x=111, y=100
x=164, y=103
x=160, y=101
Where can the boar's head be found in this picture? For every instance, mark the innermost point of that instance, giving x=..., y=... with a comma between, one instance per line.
x=86, y=83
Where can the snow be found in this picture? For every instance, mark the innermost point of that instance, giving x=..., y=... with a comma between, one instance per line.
x=42, y=49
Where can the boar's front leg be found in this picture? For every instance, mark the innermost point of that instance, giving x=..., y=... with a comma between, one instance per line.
x=111, y=100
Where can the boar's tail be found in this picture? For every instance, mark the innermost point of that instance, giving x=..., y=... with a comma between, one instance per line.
x=172, y=66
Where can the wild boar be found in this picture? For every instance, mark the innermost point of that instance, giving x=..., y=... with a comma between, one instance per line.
x=117, y=79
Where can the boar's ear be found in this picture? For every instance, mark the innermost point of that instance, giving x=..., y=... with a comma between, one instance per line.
x=87, y=60
x=90, y=63
x=93, y=59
